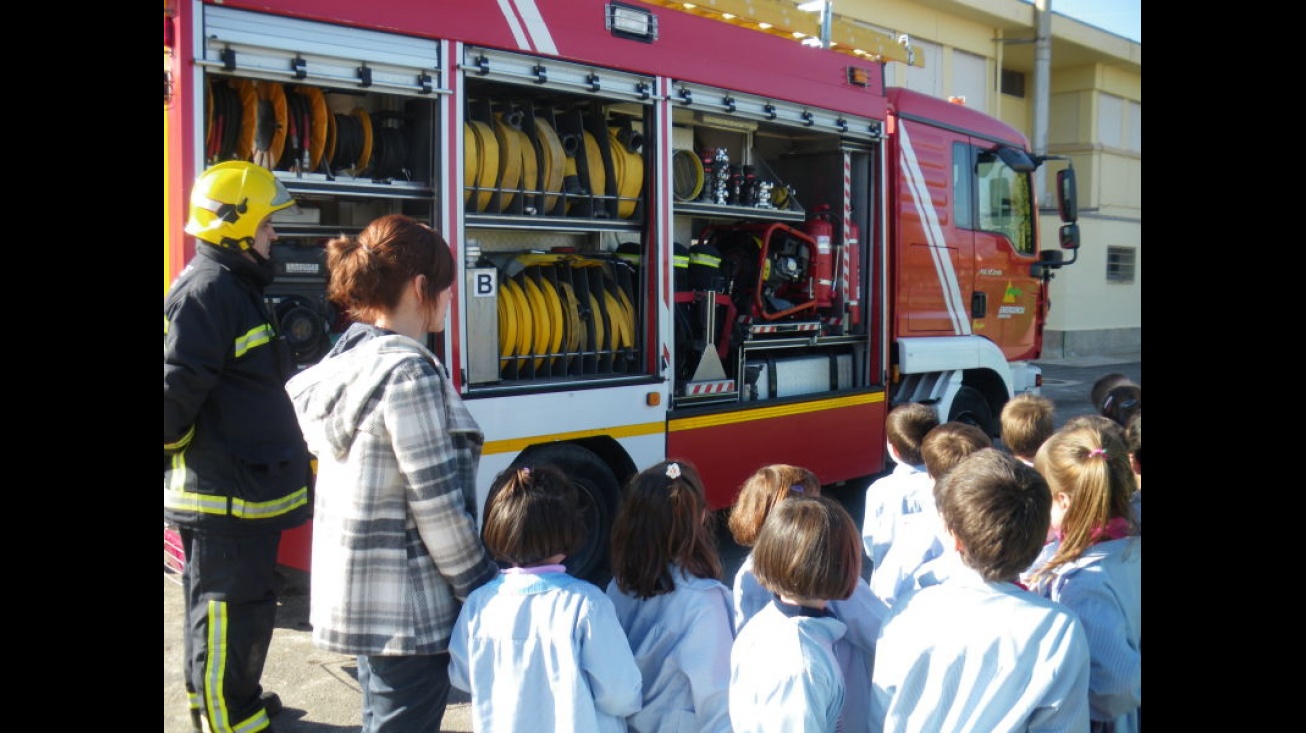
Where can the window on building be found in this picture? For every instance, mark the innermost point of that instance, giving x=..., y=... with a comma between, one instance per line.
x=968, y=79
x=1013, y=83
x=926, y=80
x=1120, y=264
x=1111, y=120
x=1135, y=127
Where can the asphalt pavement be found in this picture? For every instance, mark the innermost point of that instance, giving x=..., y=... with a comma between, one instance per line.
x=320, y=689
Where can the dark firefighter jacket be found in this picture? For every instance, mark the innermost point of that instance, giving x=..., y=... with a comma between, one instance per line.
x=233, y=457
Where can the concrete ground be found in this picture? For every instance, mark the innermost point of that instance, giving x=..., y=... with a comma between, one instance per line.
x=320, y=689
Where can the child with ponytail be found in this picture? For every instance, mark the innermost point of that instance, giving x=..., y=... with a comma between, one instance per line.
x=1095, y=566
x=666, y=586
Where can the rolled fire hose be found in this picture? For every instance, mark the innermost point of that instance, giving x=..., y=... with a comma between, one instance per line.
x=510, y=158
x=487, y=165
x=552, y=164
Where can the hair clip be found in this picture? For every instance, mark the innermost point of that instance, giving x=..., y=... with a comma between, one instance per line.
x=1097, y=452
x=797, y=487
x=673, y=470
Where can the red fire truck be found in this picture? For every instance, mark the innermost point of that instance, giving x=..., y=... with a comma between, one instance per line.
x=680, y=233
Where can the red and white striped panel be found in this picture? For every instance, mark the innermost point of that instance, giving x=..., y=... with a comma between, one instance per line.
x=844, y=288
x=785, y=327
x=694, y=388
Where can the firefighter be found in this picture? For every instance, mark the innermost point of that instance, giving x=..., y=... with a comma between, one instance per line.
x=235, y=466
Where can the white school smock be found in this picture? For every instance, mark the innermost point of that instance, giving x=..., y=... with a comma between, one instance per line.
x=1104, y=587
x=861, y=612
x=970, y=655
x=681, y=641
x=543, y=652
x=900, y=530
x=784, y=675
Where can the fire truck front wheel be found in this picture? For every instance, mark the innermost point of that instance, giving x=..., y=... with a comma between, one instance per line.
x=599, y=491
x=969, y=406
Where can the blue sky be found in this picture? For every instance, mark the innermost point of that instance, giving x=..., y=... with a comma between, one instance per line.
x=1121, y=17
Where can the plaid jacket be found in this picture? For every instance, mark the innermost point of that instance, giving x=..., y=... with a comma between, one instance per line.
x=395, y=541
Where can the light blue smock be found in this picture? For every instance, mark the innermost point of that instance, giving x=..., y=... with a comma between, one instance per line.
x=543, y=652
x=784, y=675
x=964, y=654
x=681, y=642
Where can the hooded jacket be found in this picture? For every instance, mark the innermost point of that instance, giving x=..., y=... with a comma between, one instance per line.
x=233, y=458
x=395, y=542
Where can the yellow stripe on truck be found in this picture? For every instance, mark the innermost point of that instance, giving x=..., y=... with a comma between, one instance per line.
x=765, y=413
x=517, y=445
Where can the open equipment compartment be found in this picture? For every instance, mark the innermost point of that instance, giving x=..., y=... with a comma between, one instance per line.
x=569, y=309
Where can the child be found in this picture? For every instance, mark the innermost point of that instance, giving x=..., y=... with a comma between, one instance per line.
x=861, y=612
x=974, y=651
x=757, y=496
x=1134, y=437
x=784, y=673
x=1096, y=565
x=1103, y=385
x=669, y=599
x=1122, y=403
x=887, y=498
x=1116, y=396
x=917, y=532
x=1096, y=421
x=1027, y=421
x=947, y=445
x=538, y=649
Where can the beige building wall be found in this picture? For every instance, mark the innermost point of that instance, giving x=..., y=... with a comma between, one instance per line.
x=1094, y=118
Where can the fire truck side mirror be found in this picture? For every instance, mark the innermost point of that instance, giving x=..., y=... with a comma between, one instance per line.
x=1067, y=201
x=1069, y=236
x=1048, y=260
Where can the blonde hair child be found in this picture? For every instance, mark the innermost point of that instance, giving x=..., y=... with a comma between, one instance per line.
x=1096, y=566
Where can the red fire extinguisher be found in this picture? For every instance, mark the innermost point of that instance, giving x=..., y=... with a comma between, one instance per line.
x=821, y=229
x=852, y=271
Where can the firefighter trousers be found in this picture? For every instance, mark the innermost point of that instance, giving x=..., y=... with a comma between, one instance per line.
x=229, y=584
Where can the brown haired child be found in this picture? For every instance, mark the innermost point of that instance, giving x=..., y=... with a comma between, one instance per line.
x=917, y=533
x=905, y=428
x=785, y=674
x=670, y=600
x=538, y=649
x=972, y=649
x=861, y=612
x=1027, y=420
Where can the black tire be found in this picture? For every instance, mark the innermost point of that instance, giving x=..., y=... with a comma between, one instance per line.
x=969, y=406
x=599, y=493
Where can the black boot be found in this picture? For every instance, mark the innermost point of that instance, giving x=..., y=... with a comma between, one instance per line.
x=271, y=702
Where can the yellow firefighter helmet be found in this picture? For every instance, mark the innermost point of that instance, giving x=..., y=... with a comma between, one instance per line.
x=230, y=200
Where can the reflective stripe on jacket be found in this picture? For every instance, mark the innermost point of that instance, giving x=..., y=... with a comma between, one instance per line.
x=234, y=457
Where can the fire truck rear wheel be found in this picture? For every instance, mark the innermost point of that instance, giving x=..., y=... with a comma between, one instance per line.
x=969, y=406
x=599, y=491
